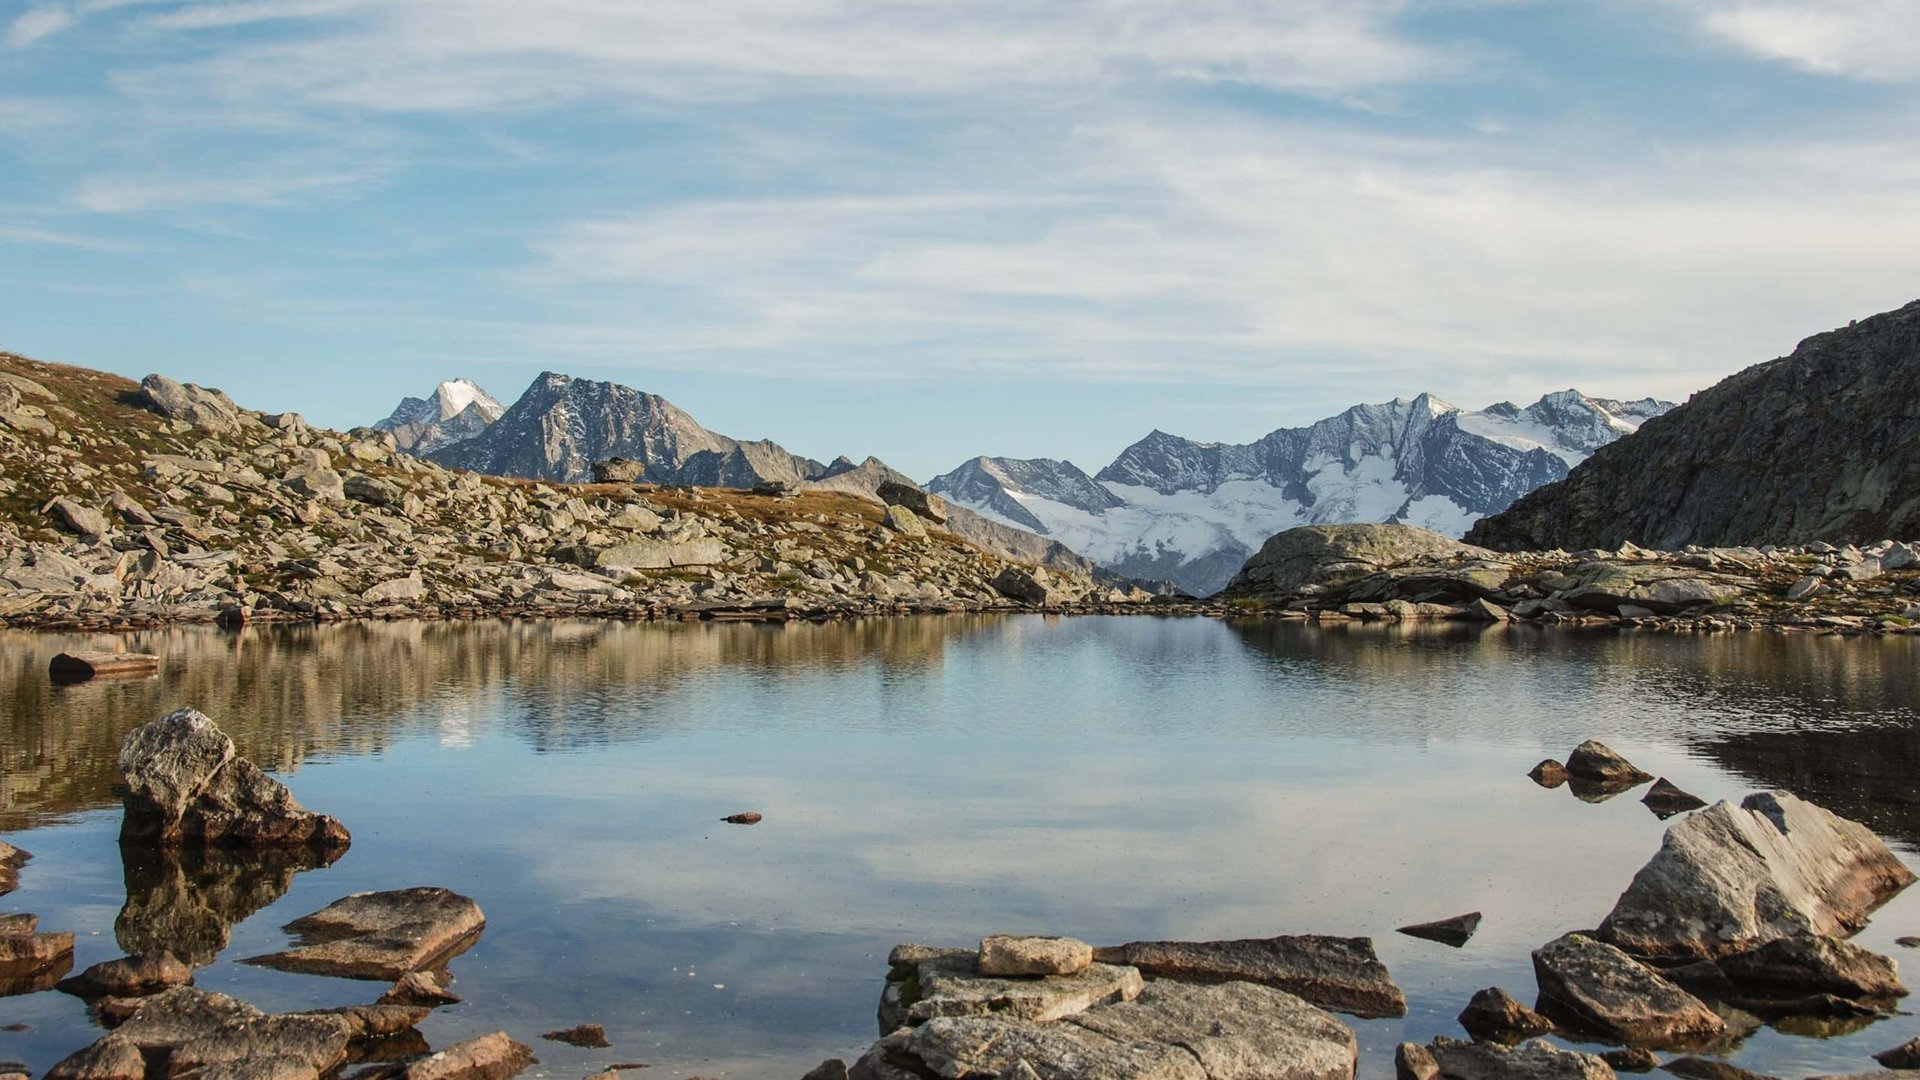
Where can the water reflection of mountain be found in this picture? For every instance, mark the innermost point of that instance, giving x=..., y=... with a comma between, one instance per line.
x=287, y=694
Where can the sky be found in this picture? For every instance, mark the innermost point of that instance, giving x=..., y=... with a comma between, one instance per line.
x=932, y=229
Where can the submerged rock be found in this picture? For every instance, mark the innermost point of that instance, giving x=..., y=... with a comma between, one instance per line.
x=186, y=787
x=1595, y=760
x=1004, y=954
x=129, y=976
x=381, y=935
x=1666, y=800
x=1728, y=879
x=1456, y=931
x=591, y=1036
x=1450, y=1059
x=1591, y=986
x=1171, y=1032
x=1336, y=973
x=1494, y=1016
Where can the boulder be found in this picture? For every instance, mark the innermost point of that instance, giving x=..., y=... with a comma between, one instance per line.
x=1666, y=800
x=830, y=1069
x=1320, y=556
x=1456, y=931
x=489, y=1057
x=77, y=518
x=1729, y=879
x=1698, y=1068
x=1795, y=967
x=1494, y=1016
x=618, y=470
x=661, y=554
x=930, y=507
x=1450, y=1059
x=129, y=976
x=185, y=787
x=317, y=482
x=903, y=521
x=1596, y=761
x=1026, y=584
x=396, y=590
x=372, y=490
x=1637, y=1059
x=1233, y=1031
x=1342, y=974
x=380, y=935
x=32, y=961
x=948, y=982
x=203, y=407
x=1904, y=1056
x=1664, y=590
x=1004, y=954
x=11, y=860
x=590, y=1036
x=420, y=988
x=1548, y=774
x=113, y=1057
x=1590, y=986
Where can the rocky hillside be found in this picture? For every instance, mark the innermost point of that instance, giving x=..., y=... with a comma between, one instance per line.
x=126, y=505
x=1192, y=512
x=1822, y=445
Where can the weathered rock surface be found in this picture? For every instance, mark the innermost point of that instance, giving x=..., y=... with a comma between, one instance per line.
x=1799, y=966
x=1456, y=931
x=111, y=1058
x=1595, y=760
x=1728, y=879
x=202, y=407
x=1548, y=774
x=381, y=935
x=1342, y=974
x=1005, y=954
x=916, y=499
x=1492, y=1015
x=1450, y=1059
x=489, y=1057
x=1637, y=1059
x=948, y=982
x=1699, y=1068
x=1816, y=446
x=31, y=961
x=11, y=860
x=186, y=787
x=1904, y=1056
x=1322, y=556
x=1588, y=985
x=592, y=1036
x=420, y=988
x=130, y=976
x=1233, y=1031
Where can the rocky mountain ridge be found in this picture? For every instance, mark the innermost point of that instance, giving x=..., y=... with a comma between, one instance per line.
x=456, y=410
x=125, y=505
x=1820, y=445
x=1191, y=512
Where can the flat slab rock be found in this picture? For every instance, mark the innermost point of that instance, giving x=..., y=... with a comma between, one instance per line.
x=1729, y=879
x=381, y=935
x=1172, y=1031
x=1006, y=954
x=1450, y=1059
x=1588, y=985
x=1342, y=974
x=929, y=983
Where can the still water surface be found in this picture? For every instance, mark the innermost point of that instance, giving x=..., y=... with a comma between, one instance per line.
x=927, y=780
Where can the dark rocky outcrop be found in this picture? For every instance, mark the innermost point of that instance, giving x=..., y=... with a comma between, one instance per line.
x=1322, y=556
x=1456, y=931
x=1596, y=761
x=1728, y=879
x=1492, y=1015
x=1666, y=800
x=185, y=787
x=1342, y=974
x=1823, y=444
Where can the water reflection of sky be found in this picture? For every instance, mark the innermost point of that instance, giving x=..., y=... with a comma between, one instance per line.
x=936, y=780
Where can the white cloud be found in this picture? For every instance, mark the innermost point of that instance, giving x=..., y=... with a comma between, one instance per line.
x=38, y=23
x=273, y=184
x=1863, y=39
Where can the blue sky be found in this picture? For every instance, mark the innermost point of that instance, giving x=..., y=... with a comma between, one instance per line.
x=928, y=229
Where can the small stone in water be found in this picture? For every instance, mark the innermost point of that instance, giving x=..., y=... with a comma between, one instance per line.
x=1548, y=774
x=1456, y=931
x=591, y=1036
x=1632, y=1059
x=751, y=817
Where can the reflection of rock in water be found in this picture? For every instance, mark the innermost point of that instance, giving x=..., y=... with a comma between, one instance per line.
x=286, y=693
x=188, y=902
x=1864, y=774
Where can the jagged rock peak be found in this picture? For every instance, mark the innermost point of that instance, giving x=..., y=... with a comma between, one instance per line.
x=1820, y=445
x=457, y=409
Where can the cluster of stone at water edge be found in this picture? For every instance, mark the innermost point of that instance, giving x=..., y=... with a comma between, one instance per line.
x=208, y=839
x=1596, y=772
x=1045, y=1007
x=1387, y=573
x=1741, y=919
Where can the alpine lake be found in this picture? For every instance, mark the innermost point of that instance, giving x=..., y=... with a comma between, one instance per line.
x=932, y=780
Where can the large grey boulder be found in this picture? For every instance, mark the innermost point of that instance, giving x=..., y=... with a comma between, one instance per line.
x=661, y=554
x=1342, y=974
x=1315, y=557
x=78, y=518
x=895, y=493
x=1591, y=986
x=1450, y=1059
x=1729, y=879
x=186, y=787
x=203, y=407
x=1802, y=966
x=381, y=935
x=1664, y=590
x=1234, y=1031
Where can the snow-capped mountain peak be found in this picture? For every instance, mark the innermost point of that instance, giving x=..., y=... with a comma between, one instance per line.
x=457, y=409
x=1191, y=512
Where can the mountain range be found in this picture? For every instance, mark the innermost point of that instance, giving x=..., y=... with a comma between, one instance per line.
x=1174, y=509
x=1167, y=509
